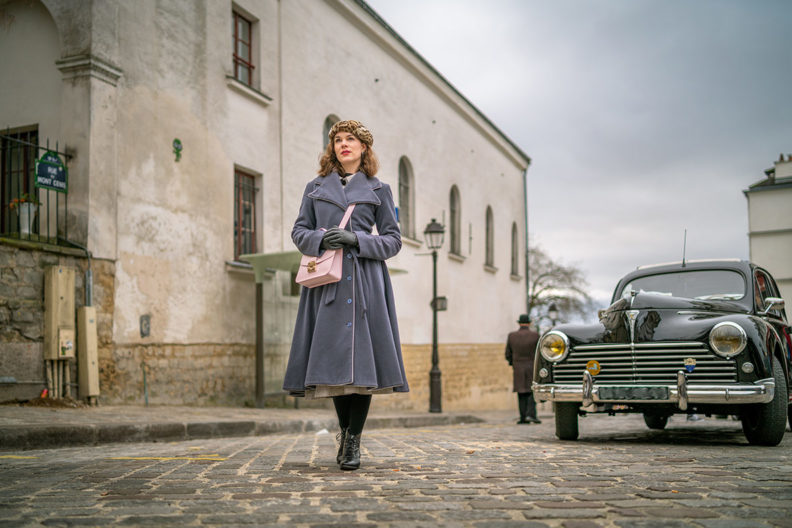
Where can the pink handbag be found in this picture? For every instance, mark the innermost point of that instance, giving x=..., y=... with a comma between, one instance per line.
x=325, y=269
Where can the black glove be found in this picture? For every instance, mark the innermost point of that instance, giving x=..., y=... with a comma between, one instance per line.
x=336, y=238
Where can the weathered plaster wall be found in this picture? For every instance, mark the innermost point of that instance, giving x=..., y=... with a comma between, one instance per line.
x=22, y=314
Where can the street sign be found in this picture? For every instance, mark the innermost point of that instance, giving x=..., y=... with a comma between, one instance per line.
x=51, y=173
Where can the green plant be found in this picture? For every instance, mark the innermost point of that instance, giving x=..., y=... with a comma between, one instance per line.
x=24, y=198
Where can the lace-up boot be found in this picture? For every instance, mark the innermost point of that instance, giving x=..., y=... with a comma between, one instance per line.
x=351, y=456
x=340, y=438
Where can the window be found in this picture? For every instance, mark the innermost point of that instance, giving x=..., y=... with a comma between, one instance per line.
x=515, y=248
x=328, y=124
x=18, y=153
x=243, y=49
x=455, y=227
x=244, y=213
x=489, y=257
x=406, y=222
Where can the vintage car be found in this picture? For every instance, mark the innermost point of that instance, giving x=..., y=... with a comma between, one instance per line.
x=704, y=337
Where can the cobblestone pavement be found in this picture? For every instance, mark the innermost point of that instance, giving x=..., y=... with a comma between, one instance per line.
x=494, y=475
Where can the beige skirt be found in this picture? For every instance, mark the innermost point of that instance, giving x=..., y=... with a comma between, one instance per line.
x=328, y=391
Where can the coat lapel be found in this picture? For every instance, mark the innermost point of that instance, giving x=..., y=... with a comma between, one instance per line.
x=360, y=189
x=330, y=190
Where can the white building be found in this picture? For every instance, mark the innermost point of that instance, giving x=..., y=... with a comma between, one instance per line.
x=193, y=127
x=770, y=224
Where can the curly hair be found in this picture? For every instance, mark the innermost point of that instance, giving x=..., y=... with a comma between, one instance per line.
x=369, y=164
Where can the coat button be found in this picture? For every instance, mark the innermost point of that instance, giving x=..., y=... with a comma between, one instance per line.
x=349, y=277
x=349, y=301
x=349, y=324
x=349, y=256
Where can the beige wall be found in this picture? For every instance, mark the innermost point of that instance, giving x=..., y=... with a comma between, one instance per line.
x=136, y=75
x=770, y=228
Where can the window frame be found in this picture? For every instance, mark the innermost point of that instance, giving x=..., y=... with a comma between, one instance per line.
x=455, y=222
x=247, y=65
x=515, y=250
x=489, y=246
x=406, y=198
x=245, y=181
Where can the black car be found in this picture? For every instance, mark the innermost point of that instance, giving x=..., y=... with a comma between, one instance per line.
x=697, y=337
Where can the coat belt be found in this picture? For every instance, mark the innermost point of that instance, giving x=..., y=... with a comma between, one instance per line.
x=360, y=288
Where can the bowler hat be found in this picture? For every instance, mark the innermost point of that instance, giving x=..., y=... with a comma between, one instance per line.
x=524, y=319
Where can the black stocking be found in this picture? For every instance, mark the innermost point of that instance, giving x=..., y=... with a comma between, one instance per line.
x=352, y=410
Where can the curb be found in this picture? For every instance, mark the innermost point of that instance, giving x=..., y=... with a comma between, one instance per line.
x=70, y=435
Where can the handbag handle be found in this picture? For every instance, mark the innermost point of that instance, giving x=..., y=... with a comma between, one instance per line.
x=346, y=217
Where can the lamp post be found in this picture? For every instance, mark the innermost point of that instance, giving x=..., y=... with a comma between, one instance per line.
x=552, y=313
x=433, y=235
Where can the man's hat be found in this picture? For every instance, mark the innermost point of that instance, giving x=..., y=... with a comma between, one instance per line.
x=524, y=319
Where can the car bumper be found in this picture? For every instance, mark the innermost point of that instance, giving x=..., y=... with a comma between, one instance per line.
x=681, y=393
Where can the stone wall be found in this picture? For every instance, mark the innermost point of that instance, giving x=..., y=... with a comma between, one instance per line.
x=22, y=267
x=207, y=374
x=474, y=377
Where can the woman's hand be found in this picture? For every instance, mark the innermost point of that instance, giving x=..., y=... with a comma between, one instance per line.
x=336, y=238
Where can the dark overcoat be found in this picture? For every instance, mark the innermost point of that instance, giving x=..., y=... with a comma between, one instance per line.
x=520, y=352
x=346, y=332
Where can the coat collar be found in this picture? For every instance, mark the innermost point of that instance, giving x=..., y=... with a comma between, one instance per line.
x=360, y=189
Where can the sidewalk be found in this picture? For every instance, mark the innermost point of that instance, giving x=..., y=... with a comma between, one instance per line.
x=24, y=427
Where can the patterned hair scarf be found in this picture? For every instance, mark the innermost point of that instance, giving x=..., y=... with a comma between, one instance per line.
x=353, y=127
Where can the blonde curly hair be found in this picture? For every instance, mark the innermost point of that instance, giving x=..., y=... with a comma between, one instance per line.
x=369, y=164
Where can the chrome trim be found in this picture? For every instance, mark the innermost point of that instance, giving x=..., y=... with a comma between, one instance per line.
x=628, y=346
x=761, y=391
x=588, y=388
x=682, y=393
x=632, y=315
x=743, y=339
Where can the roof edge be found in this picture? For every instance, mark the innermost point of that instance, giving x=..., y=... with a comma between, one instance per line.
x=379, y=20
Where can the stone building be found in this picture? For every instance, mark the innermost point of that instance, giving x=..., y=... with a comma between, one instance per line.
x=770, y=224
x=189, y=129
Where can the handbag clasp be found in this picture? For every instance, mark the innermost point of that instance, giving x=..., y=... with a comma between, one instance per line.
x=312, y=266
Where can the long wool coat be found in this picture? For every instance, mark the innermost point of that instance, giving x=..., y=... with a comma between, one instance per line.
x=520, y=352
x=346, y=332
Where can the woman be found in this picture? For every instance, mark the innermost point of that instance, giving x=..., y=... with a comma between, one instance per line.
x=346, y=339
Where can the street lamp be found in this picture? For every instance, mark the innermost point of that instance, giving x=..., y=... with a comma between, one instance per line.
x=552, y=313
x=433, y=235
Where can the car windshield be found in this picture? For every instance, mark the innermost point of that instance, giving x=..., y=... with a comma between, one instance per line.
x=702, y=284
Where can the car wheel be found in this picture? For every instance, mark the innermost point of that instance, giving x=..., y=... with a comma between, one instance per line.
x=655, y=421
x=764, y=424
x=566, y=420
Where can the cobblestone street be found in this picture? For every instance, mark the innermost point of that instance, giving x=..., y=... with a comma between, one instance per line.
x=496, y=474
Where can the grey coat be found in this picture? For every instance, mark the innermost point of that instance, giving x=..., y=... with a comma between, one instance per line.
x=346, y=332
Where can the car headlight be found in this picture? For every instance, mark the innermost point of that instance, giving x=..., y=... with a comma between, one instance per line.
x=727, y=339
x=554, y=346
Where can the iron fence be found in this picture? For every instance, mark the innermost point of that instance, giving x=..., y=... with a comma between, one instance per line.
x=29, y=211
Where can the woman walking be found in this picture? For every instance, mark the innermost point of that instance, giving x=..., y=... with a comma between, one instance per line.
x=346, y=339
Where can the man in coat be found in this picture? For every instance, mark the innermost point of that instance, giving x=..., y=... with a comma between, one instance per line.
x=520, y=351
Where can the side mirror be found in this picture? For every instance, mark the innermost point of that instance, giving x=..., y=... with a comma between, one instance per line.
x=773, y=303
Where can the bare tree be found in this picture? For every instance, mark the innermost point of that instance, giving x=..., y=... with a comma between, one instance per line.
x=555, y=283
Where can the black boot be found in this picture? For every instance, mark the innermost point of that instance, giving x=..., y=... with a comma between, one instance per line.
x=340, y=438
x=351, y=456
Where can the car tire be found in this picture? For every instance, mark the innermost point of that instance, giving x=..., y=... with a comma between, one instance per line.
x=655, y=421
x=566, y=420
x=765, y=424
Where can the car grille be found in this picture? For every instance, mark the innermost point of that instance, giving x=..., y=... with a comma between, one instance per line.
x=645, y=363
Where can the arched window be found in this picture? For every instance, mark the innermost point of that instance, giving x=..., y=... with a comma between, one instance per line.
x=329, y=121
x=515, y=248
x=455, y=221
x=489, y=257
x=406, y=198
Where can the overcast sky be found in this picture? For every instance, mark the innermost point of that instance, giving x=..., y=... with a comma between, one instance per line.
x=642, y=118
